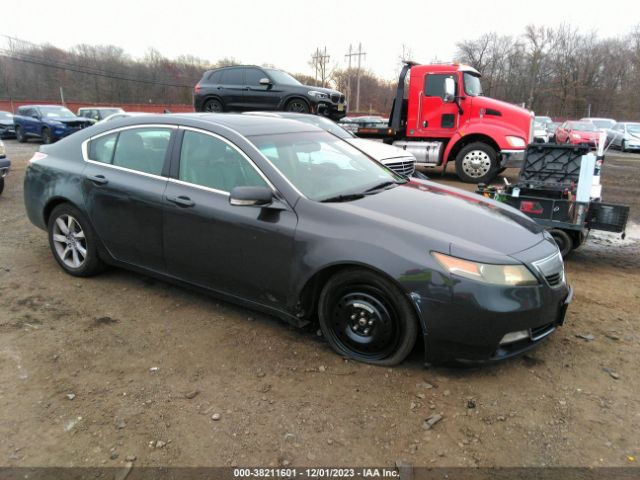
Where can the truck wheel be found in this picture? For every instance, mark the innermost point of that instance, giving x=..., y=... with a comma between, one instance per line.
x=213, y=106
x=564, y=241
x=297, y=105
x=20, y=136
x=477, y=163
x=46, y=136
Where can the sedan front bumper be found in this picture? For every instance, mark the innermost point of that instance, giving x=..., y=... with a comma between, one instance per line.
x=471, y=328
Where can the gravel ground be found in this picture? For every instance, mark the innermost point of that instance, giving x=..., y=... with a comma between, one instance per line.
x=97, y=371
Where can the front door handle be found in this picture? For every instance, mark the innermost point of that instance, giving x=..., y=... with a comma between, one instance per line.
x=98, y=179
x=182, y=201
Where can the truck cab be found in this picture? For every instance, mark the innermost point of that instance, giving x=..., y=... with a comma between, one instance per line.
x=441, y=115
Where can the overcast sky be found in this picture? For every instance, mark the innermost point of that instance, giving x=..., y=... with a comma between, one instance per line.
x=286, y=32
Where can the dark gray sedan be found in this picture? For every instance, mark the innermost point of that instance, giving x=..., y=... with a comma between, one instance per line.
x=286, y=218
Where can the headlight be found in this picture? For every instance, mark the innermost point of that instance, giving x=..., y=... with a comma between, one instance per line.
x=315, y=93
x=576, y=136
x=507, y=275
x=516, y=141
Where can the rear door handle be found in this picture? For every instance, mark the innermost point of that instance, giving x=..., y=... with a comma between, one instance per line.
x=98, y=179
x=182, y=201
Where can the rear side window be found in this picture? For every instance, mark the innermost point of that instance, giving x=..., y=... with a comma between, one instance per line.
x=101, y=149
x=434, y=84
x=142, y=149
x=210, y=162
x=233, y=76
x=215, y=77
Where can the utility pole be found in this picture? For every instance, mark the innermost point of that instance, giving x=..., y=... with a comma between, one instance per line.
x=62, y=96
x=358, y=54
x=320, y=61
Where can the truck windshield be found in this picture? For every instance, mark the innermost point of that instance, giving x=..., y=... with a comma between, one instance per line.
x=472, y=85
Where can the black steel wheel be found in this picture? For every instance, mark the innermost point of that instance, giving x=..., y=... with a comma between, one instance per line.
x=46, y=136
x=213, y=106
x=366, y=317
x=73, y=242
x=563, y=240
x=297, y=105
x=20, y=136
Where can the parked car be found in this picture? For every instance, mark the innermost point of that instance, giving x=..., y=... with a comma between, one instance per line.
x=540, y=134
x=551, y=130
x=543, y=119
x=6, y=125
x=576, y=133
x=397, y=159
x=97, y=114
x=258, y=213
x=625, y=136
x=5, y=166
x=244, y=88
x=47, y=122
x=116, y=116
x=602, y=124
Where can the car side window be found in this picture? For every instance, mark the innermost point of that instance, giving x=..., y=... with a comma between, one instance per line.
x=252, y=76
x=101, y=149
x=434, y=84
x=233, y=76
x=142, y=149
x=210, y=162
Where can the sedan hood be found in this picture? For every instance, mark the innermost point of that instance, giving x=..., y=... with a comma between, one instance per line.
x=474, y=227
x=379, y=151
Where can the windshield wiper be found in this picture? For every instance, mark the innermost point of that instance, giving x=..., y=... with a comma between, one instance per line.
x=382, y=185
x=343, y=198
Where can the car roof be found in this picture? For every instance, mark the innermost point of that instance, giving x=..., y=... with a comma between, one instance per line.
x=42, y=105
x=243, y=124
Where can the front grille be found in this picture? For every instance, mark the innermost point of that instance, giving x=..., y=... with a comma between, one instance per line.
x=76, y=124
x=337, y=98
x=542, y=331
x=403, y=167
x=554, y=279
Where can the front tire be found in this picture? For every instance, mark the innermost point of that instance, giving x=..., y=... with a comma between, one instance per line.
x=20, y=136
x=367, y=318
x=73, y=241
x=46, y=136
x=623, y=146
x=477, y=163
x=297, y=105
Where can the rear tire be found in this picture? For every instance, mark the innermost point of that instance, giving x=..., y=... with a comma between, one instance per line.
x=73, y=242
x=477, y=163
x=563, y=240
x=20, y=136
x=213, y=106
x=366, y=317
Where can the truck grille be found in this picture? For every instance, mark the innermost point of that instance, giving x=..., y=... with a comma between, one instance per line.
x=403, y=167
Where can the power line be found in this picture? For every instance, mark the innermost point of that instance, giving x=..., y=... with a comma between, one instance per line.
x=358, y=54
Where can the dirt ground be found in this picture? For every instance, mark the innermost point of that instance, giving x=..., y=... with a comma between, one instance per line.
x=96, y=371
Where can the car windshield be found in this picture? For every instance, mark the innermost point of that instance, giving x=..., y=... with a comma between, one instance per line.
x=634, y=128
x=56, y=112
x=282, y=78
x=583, y=126
x=539, y=125
x=323, y=167
x=603, y=123
x=5, y=115
x=544, y=120
x=325, y=124
x=472, y=85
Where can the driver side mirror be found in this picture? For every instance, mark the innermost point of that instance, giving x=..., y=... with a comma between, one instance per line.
x=250, y=196
x=449, y=90
x=265, y=81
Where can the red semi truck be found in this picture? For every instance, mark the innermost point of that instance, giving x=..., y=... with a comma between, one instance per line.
x=443, y=117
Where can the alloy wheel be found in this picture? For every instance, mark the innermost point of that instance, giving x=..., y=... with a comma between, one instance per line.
x=69, y=241
x=476, y=163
